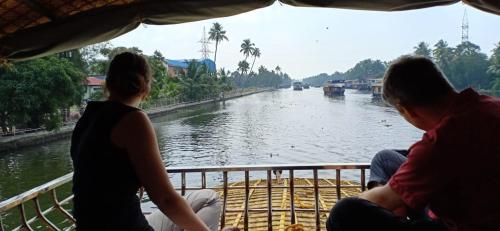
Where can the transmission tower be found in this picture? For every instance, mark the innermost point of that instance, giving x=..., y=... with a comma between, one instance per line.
x=465, y=27
x=205, y=52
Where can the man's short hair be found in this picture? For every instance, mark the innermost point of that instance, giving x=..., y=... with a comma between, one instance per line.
x=415, y=81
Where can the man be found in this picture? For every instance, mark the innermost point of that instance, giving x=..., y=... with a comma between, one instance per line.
x=452, y=173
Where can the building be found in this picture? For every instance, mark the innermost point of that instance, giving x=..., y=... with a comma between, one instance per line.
x=93, y=84
x=176, y=68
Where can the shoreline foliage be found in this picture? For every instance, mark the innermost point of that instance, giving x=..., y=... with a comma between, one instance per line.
x=464, y=66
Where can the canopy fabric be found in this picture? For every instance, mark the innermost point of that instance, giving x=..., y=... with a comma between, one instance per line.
x=34, y=28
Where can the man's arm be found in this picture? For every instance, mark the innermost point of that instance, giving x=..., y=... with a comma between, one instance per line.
x=385, y=197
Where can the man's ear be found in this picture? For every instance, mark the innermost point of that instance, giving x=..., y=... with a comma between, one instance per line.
x=407, y=111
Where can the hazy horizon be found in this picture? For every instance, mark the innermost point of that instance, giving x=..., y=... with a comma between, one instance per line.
x=309, y=41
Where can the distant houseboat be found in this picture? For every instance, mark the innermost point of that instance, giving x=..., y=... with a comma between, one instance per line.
x=358, y=84
x=377, y=90
x=297, y=86
x=334, y=88
x=306, y=86
x=376, y=86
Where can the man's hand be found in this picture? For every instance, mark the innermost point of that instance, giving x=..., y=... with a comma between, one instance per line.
x=385, y=197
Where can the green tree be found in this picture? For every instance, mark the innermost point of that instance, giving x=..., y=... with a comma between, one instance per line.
x=262, y=69
x=320, y=79
x=469, y=67
x=224, y=80
x=158, y=56
x=111, y=52
x=256, y=54
x=423, y=49
x=264, y=78
x=34, y=91
x=243, y=66
x=218, y=35
x=494, y=69
x=367, y=69
x=75, y=57
x=247, y=48
x=196, y=82
x=443, y=56
x=159, y=73
x=277, y=69
x=95, y=61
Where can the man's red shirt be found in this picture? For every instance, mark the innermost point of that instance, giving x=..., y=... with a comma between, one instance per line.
x=455, y=169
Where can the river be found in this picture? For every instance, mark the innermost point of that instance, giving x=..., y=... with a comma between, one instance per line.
x=276, y=127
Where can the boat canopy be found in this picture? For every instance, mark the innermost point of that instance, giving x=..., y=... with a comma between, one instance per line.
x=35, y=28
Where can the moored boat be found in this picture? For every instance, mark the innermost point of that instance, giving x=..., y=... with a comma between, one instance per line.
x=334, y=88
x=377, y=90
x=297, y=86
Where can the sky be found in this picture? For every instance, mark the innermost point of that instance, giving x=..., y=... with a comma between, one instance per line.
x=309, y=41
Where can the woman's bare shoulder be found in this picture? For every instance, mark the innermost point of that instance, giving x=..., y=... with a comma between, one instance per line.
x=133, y=127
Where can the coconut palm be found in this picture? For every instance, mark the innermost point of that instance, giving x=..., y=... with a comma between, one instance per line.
x=218, y=35
x=262, y=69
x=256, y=54
x=278, y=69
x=243, y=66
x=247, y=48
x=193, y=80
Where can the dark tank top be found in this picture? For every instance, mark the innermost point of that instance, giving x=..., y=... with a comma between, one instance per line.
x=104, y=182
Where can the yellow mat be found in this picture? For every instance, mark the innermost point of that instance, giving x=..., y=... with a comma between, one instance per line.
x=304, y=199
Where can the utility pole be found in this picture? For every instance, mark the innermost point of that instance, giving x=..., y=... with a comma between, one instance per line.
x=205, y=51
x=465, y=27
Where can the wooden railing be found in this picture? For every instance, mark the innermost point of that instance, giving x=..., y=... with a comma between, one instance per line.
x=32, y=196
x=20, y=201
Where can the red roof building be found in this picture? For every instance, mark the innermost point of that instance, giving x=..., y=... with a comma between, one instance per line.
x=93, y=84
x=94, y=81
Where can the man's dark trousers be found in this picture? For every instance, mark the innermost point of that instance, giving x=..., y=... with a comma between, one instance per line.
x=359, y=214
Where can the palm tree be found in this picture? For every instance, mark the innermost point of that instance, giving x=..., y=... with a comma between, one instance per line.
x=247, y=48
x=262, y=69
x=243, y=66
x=193, y=80
x=256, y=54
x=278, y=69
x=218, y=35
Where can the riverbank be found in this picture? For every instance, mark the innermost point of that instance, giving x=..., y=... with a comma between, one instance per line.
x=13, y=143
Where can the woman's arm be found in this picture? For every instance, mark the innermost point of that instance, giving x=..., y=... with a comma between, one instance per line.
x=136, y=134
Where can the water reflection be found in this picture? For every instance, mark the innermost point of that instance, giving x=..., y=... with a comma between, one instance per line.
x=285, y=127
x=282, y=126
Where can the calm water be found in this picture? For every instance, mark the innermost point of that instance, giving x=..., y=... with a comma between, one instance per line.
x=276, y=127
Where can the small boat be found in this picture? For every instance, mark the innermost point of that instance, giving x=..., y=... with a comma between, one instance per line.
x=297, y=86
x=334, y=88
x=306, y=86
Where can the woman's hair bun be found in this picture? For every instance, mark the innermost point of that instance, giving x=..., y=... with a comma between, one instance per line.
x=128, y=75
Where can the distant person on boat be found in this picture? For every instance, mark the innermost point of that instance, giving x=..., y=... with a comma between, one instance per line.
x=115, y=152
x=451, y=173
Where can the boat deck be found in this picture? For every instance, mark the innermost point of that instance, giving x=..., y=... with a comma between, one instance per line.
x=260, y=203
x=304, y=202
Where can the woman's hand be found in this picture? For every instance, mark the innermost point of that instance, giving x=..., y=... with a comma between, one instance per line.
x=230, y=228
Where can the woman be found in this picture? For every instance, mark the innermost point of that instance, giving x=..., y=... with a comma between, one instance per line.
x=115, y=152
